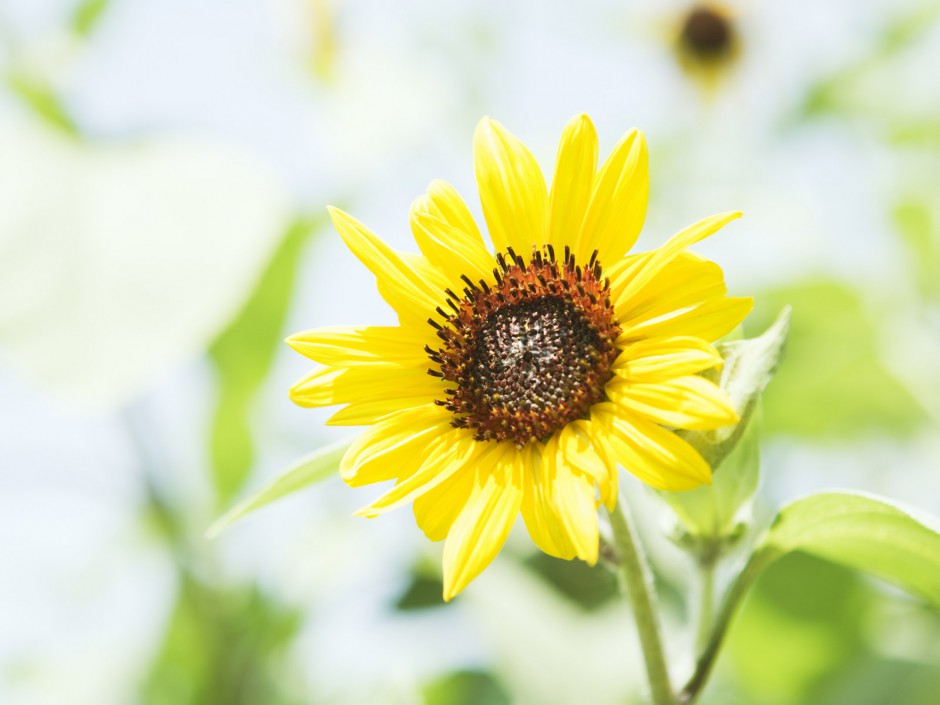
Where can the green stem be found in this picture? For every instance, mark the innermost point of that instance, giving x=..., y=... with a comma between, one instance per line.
x=729, y=607
x=706, y=604
x=637, y=584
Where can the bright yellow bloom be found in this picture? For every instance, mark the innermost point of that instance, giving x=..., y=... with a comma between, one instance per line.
x=519, y=381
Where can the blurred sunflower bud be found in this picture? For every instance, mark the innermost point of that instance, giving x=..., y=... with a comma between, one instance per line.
x=714, y=516
x=707, y=42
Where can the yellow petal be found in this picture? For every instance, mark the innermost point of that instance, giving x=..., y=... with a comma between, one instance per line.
x=575, y=444
x=609, y=486
x=709, y=320
x=443, y=202
x=656, y=456
x=574, y=495
x=453, y=251
x=689, y=402
x=394, y=446
x=512, y=189
x=656, y=359
x=538, y=510
x=408, y=292
x=339, y=385
x=559, y=507
x=617, y=208
x=685, y=281
x=436, y=510
x=348, y=346
x=449, y=452
x=366, y=413
x=573, y=181
x=481, y=528
x=657, y=259
x=623, y=270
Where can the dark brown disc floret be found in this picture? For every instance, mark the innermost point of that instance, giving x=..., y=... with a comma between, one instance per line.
x=529, y=351
x=707, y=33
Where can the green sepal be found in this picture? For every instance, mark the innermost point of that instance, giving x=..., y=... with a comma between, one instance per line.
x=718, y=513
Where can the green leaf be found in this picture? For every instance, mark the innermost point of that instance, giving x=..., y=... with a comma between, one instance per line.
x=817, y=614
x=423, y=592
x=87, y=15
x=316, y=467
x=917, y=219
x=857, y=89
x=864, y=532
x=852, y=529
x=465, y=688
x=835, y=384
x=590, y=587
x=223, y=646
x=38, y=95
x=242, y=356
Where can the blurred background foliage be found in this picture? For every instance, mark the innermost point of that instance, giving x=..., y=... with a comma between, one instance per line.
x=125, y=435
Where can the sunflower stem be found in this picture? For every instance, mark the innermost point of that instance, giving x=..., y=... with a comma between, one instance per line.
x=706, y=571
x=636, y=582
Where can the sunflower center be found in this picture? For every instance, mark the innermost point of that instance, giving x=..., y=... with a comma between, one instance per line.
x=707, y=33
x=528, y=352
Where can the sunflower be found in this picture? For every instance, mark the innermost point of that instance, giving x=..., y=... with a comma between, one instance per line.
x=519, y=378
x=707, y=41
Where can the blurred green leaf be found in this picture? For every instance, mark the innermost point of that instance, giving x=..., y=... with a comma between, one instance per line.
x=222, y=647
x=906, y=28
x=38, y=96
x=915, y=132
x=803, y=624
x=310, y=469
x=243, y=355
x=853, y=530
x=806, y=636
x=876, y=681
x=916, y=219
x=423, y=592
x=854, y=90
x=834, y=385
x=589, y=587
x=864, y=532
x=87, y=15
x=465, y=688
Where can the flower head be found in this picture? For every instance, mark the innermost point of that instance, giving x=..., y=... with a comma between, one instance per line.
x=707, y=41
x=707, y=32
x=518, y=379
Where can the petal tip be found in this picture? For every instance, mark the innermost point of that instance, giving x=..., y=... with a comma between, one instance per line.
x=294, y=341
x=486, y=124
x=366, y=512
x=296, y=396
x=582, y=121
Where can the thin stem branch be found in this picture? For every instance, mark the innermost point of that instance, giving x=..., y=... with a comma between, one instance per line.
x=637, y=583
x=706, y=607
x=729, y=606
